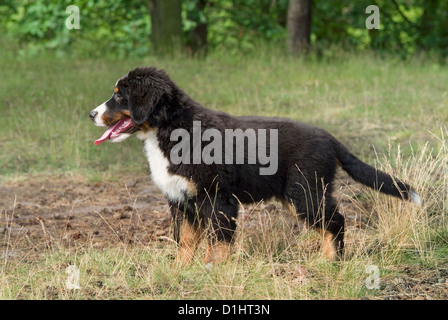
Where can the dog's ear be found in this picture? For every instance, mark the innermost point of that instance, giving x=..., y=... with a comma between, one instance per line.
x=143, y=99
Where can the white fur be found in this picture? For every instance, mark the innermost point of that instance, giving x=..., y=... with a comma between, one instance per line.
x=121, y=137
x=101, y=109
x=174, y=187
x=415, y=198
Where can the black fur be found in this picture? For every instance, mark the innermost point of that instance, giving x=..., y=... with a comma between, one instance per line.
x=307, y=161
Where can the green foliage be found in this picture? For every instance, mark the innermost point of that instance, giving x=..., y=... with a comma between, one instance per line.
x=406, y=27
x=236, y=25
x=118, y=27
x=123, y=28
x=242, y=23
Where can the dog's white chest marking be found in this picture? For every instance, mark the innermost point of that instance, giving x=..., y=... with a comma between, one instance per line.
x=174, y=187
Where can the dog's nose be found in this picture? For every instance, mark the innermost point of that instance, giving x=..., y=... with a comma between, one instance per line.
x=93, y=114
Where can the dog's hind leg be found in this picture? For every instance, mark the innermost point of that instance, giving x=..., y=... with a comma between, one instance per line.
x=332, y=226
x=319, y=212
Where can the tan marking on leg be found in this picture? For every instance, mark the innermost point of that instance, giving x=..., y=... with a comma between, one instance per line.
x=189, y=239
x=329, y=246
x=217, y=253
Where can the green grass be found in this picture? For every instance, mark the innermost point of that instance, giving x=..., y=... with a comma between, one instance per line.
x=150, y=274
x=364, y=101
x=372, y=105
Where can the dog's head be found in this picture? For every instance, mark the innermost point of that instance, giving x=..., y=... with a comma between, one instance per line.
x=142, y=99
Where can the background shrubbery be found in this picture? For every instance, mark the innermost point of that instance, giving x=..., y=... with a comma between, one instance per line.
x=123, y=28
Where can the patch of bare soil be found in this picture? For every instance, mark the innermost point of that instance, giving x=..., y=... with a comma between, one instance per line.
x=37, y=213
x=416, y=283
x=40, y=212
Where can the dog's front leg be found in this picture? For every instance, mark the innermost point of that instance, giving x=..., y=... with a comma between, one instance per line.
x=187, y=234
x=217, y=252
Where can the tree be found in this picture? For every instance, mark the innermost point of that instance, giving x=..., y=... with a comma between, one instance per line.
x=299, y=26
x=197, y=37
x=166, y=25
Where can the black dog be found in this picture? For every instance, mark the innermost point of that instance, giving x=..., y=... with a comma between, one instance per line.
x=204, y=195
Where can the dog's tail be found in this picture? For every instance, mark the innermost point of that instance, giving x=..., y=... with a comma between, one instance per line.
x=372, y=177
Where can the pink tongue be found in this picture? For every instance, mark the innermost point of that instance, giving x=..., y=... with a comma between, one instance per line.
x=104, y=136
x=108, y=132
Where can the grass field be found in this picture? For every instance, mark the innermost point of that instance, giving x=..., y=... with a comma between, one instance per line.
x=390, y=113
x=363, y=101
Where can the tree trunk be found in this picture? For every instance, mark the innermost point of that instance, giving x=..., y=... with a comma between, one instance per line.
x=198, y=35
x=166, y=25
x=427, y=23
x=299, y=26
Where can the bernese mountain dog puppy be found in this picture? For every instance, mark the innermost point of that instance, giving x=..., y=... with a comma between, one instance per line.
x=204, y=185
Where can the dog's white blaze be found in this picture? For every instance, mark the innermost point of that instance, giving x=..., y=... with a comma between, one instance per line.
x=174, y=187
x=101, y=109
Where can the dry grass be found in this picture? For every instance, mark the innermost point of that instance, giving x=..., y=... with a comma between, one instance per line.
x=274, y=257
